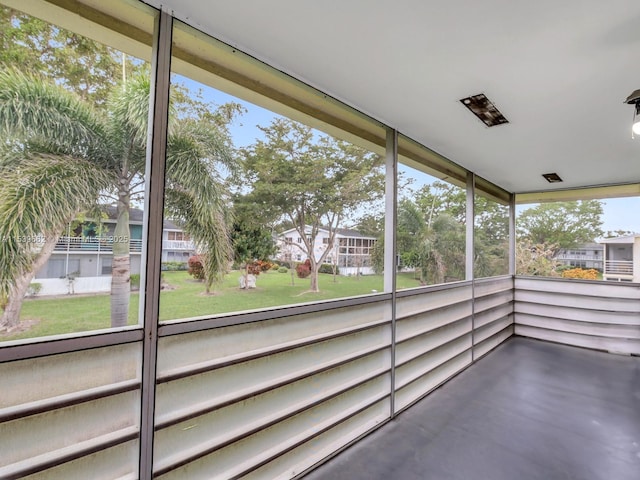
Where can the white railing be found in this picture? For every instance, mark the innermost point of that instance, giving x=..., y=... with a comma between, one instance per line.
x=178, y=245
x=589, y=314
x=94, y=244
x=262, y=394
x=566, y=256
x=618, y=267
x=268, y=394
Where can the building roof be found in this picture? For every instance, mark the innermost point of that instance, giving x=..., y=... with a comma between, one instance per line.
x=627, y=239
x=340, y=232
x=583, y=246
x=347, y=232
x=136, y=216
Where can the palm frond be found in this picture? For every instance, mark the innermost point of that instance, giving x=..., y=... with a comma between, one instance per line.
x=195, y=197
x=213, y=143
x=43, y=117
x=37, y=200
x=128, y=109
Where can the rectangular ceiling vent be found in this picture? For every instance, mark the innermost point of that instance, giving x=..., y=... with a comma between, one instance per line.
x=484, y=109
x=552, y=177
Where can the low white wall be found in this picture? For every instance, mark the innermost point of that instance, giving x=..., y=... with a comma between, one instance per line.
x=60, y=286
x=354, y=270
x=588, y=314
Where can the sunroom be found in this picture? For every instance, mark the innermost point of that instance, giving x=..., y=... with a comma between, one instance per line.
x=445, y=364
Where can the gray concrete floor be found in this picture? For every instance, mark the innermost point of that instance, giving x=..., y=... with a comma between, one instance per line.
x=529, y=410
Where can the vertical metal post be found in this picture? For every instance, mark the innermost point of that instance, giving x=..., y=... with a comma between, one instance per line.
x=390, y=247
x=512, y=251
x=154, y=190
x=471, y=251
x=99, y=238
x=469, y=220
x=512, y=234
x=391, y=195
x=66, y=264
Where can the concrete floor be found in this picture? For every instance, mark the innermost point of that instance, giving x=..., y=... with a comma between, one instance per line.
x=529, y=410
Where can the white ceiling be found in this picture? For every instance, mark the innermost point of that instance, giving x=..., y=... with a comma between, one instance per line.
x=558, y=70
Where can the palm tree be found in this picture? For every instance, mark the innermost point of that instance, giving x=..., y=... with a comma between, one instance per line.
x=434, y=246
x=60, y=156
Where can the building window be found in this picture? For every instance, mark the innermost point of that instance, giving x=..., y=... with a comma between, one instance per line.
x=178, y=236
x=106, y=266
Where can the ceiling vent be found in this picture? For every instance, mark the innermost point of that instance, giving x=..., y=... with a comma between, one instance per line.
x=484, y=109
x=552, y=177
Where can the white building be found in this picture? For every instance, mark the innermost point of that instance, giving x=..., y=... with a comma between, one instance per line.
x=81, y=260
x=351, y=249
x=588, y=255
x=622, y=258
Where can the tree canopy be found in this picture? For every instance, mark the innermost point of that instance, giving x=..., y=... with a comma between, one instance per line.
x=562, y=224
x=312, y=181
x=79, y=64
x=251, y=237
x=93, y=155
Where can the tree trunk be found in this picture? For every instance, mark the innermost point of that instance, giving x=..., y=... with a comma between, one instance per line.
x=440, y=269
x=244, y=276
x=11, y=315
x=121, y=265
x=208, y=282
x=314, y=276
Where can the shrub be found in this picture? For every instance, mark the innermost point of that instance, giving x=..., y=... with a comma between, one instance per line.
x=303, y=270
x=283, y=270
x=581, y=274
x=173, y=266
x=255, y=267
x=265, y=265
x=258, y=266
x=282, y=263
x=135, y=281
x=275, y=266
x=34, y=288
x=328, y=268
x=196, y=270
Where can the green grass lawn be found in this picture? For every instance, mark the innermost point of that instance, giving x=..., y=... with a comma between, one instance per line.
x=78, y=313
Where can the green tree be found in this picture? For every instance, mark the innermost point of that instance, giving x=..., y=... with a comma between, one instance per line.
x=431, y=234
x=562, y=224
x=371, y=224
x=442, y=198
x=61, y=156
x=618, y=233
x=491, y=238
x=434, y=245
x=313, y=181
x=75, y=62
x=252, y=239
x=532, y=259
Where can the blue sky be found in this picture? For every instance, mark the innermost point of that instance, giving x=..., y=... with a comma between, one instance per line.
x=622, y=214
x=619, y=213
